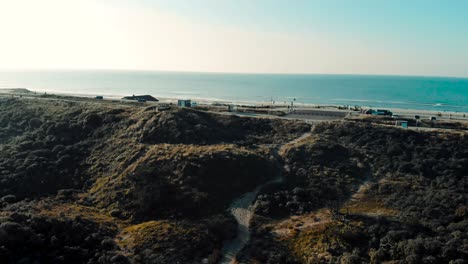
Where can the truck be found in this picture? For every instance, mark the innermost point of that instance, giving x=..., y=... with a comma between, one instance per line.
x=380, y=112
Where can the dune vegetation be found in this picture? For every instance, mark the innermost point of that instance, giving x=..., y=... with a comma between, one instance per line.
x=87, y=182
x=84, y=182
x=390, y=196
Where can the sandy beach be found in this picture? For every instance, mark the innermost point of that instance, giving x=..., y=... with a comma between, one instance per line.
x=313, y=111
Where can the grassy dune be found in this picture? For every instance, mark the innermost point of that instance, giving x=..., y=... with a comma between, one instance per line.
x=84, y=182
x=87, y=182
x=363, y=193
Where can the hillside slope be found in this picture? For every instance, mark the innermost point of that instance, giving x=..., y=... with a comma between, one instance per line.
x=359, y=193
x=84, y=182
x=99, y=183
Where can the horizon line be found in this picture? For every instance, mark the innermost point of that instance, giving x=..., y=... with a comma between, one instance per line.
x=227, y=72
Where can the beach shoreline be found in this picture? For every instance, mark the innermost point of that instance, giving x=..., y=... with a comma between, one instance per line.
x=403, y=112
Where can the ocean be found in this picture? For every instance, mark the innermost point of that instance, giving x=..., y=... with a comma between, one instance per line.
x=407, y=92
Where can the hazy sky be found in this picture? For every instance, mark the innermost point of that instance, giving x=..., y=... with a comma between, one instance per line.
x=419, y=37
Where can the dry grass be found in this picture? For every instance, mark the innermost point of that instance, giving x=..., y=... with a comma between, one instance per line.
x=72, y=211
x=158, y=234
x=295, y=224
x=306, y=139
x=362, y=203
x=313, y=245
x=370, y=206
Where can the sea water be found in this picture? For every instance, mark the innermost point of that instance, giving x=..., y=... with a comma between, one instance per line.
x=426, y=93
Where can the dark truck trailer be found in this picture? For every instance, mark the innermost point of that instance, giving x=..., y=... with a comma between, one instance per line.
x=141, y=98
x=383, y=112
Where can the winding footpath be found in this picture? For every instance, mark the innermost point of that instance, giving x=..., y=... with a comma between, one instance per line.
x=243, y=210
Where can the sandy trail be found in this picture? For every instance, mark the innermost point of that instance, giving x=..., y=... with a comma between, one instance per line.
x=282, y=149
x=243, y=210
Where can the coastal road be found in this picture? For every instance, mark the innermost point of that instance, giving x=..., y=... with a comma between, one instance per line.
x=306, y=115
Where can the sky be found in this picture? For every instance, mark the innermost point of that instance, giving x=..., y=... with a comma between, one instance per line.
x=398, y=37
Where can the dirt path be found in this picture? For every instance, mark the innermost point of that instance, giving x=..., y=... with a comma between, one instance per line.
x=282, y=149
x=243, y=209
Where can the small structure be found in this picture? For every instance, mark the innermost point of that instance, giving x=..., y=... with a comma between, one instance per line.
x=401, y=123
x=99, y=97
x=141, y=98
x=232, y=108
x=162, y=107
x=184, y=103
